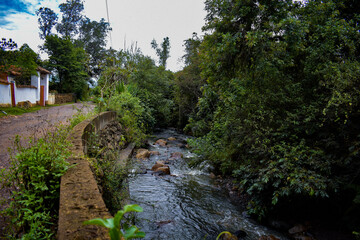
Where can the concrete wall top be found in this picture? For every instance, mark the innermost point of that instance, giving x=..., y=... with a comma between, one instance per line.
x=80, y=198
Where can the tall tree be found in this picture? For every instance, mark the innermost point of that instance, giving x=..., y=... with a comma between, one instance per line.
x=162, y=52
x=92, y=38
x=71, y=17
x=69, y=63
x=47, y=20
x=188, y=81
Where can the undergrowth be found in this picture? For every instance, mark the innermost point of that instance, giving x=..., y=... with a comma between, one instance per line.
x=34, y=182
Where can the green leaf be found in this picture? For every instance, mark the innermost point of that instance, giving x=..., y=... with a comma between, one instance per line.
x=108, y=223
x=133, y=208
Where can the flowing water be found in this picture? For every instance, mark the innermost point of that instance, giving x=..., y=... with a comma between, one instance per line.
x=188, y=204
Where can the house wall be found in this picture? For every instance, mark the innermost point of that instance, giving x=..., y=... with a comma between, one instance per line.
x=25, y=94
x=5, y=94
x=36, y=83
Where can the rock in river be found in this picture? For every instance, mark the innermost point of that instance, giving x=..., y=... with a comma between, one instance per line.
x=142, y=153
x=161, y=142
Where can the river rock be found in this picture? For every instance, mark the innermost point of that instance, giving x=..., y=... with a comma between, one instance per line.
x=161, y=142
x=157, y=165
x=165, y=170
x=154, y=153
x=160, y=162
x=142, y=153
x=172, y=139
x=299, y=228
x=177, y=155
x=161, y=168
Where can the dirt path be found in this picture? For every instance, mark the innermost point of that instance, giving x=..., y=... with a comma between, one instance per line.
x=33, y=124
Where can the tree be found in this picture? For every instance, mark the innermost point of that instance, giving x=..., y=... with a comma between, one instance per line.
x=71, y=17
x=47, y=20
x=25, y=61
x=188, y=81
x=92, y=38
x=162, y=52
x=10, y=44
x=69, y=63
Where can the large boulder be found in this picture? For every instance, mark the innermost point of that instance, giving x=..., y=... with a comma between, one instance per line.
x=161, y=142
x=142, y=153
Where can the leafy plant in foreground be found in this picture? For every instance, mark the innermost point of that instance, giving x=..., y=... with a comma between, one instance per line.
x=117, y=229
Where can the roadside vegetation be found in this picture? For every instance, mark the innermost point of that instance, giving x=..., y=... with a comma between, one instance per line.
x=34, y=181
x=7, y=111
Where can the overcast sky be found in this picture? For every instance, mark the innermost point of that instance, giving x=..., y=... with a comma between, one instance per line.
x=134, y=20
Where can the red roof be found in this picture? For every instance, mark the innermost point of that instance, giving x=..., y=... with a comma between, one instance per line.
x=43, y=70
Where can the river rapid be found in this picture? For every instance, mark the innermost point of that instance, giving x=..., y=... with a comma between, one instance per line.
x=188, y=204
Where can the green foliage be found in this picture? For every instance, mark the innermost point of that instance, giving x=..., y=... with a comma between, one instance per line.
x=24, y=61
x=9, y=44
x=132, y=72
x=118, y=229
x=80, y=116
x=34, y=177
x=47, y=20
x=93, y=39
x=162, y=52
x=19, y=110
x=130, y=113
x=71, y=16
x=280, y=106
x=69, y=62
x=188, y=82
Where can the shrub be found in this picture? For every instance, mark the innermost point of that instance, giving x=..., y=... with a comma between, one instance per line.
x=34, y=178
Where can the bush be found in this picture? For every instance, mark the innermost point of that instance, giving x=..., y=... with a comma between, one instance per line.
x=34, y=178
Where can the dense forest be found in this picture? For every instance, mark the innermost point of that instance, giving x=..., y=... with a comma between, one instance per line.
x=279, y=104
x=270, y=92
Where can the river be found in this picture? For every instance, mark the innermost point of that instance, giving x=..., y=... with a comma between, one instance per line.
x=189, y=204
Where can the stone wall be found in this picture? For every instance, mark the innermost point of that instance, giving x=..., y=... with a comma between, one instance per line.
x=64, y=98
x=80, y=199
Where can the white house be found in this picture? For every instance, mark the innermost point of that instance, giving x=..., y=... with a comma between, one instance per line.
x=36, y=93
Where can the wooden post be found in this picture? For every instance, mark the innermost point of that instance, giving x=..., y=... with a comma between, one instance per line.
x=42, y=96
x=12, y=88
